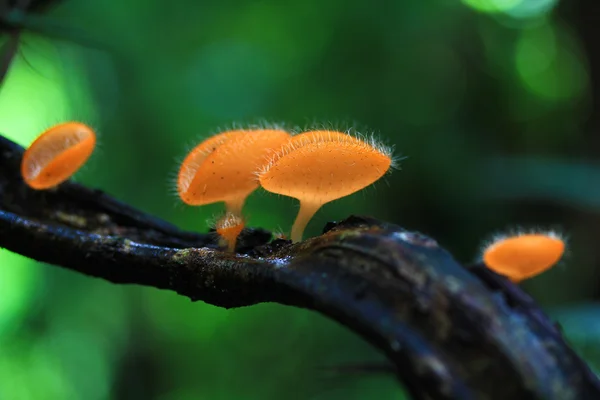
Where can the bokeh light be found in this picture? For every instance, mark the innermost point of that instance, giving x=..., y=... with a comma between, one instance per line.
x=513, y=8
x=492, y=6
x=550, y=64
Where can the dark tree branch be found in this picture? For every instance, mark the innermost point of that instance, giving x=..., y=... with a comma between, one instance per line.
x=8, y=10
x=448, y=332
x=17, y=16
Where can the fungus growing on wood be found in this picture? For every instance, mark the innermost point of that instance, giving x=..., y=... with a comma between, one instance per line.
x=525, y=255
x=192, y=162
x=317, y=167
x=229, y=228
x=223, y=167
x=57, y=154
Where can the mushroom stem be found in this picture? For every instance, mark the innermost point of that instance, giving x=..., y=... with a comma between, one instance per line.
x=231, y=245
x=235, y=205
x=306, y=212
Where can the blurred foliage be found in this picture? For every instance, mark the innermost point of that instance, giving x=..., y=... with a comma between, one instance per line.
x=489, y=100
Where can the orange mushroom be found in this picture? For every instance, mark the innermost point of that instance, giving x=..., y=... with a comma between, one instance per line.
x=524, y=256
x=195, y=158
x=223, y=167
x=57, y=154
x=317, y=167
x=229, y=228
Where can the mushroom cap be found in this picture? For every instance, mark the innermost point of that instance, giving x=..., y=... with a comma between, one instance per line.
x=320, y=166
x=524, y=256
x=57, y=154
x=195, y=158
x=228, y=172
x=230, y=226
x=323, y=136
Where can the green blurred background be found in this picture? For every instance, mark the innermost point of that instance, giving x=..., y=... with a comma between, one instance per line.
x=491, y=102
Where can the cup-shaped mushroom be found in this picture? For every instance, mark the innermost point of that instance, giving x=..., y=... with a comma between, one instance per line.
x=318, y=167
x=229, y=228
x=323, y=136
x=523, y=256
x=193, y=161
x=227, y=172
x=57, y=154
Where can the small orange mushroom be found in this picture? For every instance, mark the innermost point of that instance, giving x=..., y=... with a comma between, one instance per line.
x=277, y=235
x=223, y=167
x=524, y=256
x=195, y=158
x=57, y=154
x=229, y=228
x=317, y=167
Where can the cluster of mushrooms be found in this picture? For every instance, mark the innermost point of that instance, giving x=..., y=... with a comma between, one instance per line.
x=315, y=167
